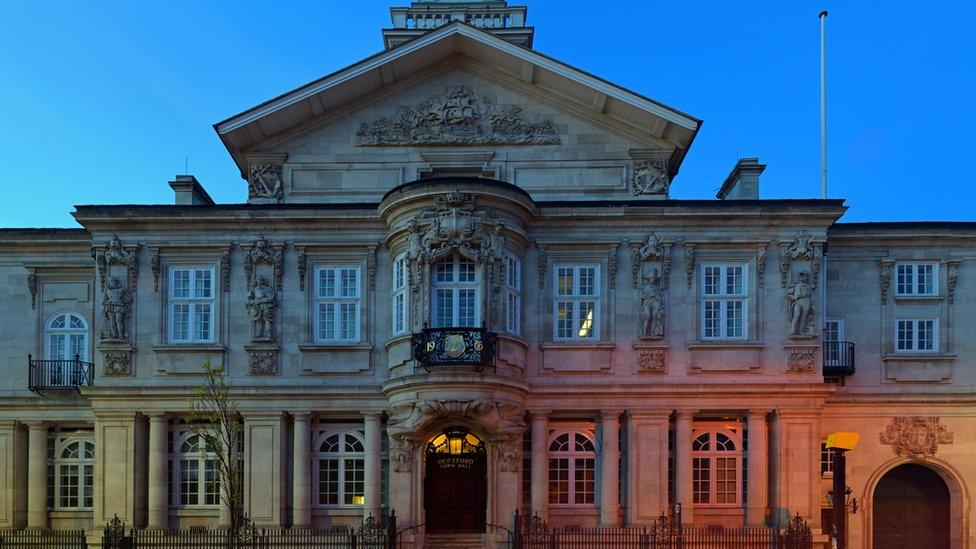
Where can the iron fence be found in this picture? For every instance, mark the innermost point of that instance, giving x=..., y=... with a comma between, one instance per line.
x=44, y=539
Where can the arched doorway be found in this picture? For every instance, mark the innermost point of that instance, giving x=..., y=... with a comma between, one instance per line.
x=455, y=484
x=911, y=509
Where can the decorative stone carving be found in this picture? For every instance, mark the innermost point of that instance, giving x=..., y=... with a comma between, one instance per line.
x=457, y=118
x=225, y=269
x=261, y=304
x=116, y=363
x=116, y=300
x=32, y=287
x=651, y=177
x=952, y=276
x=155, y=265
x=651, y=360
x=498, y=422
x=264, y=180
x=799, y=298
x=689, y=262
x=371, y=268
x=801, y=248
x=263, y=362
x=915, y=437
x=263, y=252
x=302, y=268
x=800, y=360
x=543, y=265
x=117, y=254
x=652, y=306
x=761, y=265
x=612, y=266
x=884, y=275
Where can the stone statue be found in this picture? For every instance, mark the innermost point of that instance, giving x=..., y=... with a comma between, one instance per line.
x=115, y=307
x=799, y=297
x=261, y=303
x=652, y=306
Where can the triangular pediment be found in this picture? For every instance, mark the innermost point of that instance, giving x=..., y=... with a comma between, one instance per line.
x=318, y=104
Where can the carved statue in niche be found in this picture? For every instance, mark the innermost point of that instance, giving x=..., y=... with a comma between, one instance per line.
x=652, y=306
x=800, y=299
x=261, y=303
x=651, y=177
x=115, y=307
x=264, y=181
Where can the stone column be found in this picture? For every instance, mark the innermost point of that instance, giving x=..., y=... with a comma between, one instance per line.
x=372, y=474
x=682, y=465
x=540, y=464
x=158, y=493
x=610, y=468
x=758, y=472
x=13, y=475
x=302, y=470
x=37, y=476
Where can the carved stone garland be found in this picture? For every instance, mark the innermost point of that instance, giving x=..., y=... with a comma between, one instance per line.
x=225, y=268
x=652, y=282
x=612, y=265
x=651, y=360
x=952, y=277
x=455, y=225
x=32, y=287
x=689, y=250
x=800, y=360
x=915, y=437
x=884, y=278
x=155, y=265
x=499, y=422
x=458, y=117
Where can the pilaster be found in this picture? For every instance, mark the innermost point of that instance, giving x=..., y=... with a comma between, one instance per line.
x=540, y=464
x=13, y=475
x=758, y=473
x=158, y=504
x=610, y=468
x=647, y=463
x=266, y=474
x=119, y=475
x=302, y=470
x=37, y=475
x=682, y=465
x=373, y=467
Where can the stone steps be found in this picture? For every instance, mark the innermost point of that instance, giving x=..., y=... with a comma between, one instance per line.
x=453, y=541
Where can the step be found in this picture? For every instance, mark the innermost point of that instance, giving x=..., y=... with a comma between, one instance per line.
x=453, y=541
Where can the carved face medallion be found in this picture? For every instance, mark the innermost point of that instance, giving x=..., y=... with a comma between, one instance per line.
x=454, y=345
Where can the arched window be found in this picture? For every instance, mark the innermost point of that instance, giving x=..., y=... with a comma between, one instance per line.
x=716, y=468
x=194, y=473
x=66, y=336
x=572, y=476
x=454, y=294
x=73, y=467
x=340, y=464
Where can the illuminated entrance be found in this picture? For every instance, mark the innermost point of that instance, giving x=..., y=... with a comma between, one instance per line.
x=911, y=509
x=455, y=494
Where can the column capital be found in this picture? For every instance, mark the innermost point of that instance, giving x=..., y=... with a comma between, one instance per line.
x=685, y=414
x=36, y=425
x=539, y=414
x=610, y=414
x=375, y=415
x=758, y=413
x=301, y=416
x=157, y=417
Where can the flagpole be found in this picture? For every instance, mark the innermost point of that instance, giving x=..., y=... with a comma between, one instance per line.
x=823, y=104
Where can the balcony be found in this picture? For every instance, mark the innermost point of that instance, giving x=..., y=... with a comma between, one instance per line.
x=450, y=347
x=838, y=358
x=58, y=375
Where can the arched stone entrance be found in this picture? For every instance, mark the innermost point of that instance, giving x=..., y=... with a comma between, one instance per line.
x=911, y=509
x=455, y=482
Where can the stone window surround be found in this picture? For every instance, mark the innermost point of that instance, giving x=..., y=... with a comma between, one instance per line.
x=936, y=336
x=456, y=285
x=192, y=300
x=66, y=331
x=754, y=319
x=337, y=299
x=179, y=433
x=59, y=441
x=736, y=434
x=936, y=284
x=725, y=297
x=343, y=258
x=319, y=434
x=196, y=259
x=595, y=253
x=557, y=430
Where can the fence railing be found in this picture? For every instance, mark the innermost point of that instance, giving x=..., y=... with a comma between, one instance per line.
x=58, y=374
x=43, y=539
x=838, y=358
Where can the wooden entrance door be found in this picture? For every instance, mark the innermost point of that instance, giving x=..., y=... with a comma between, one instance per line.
x=911, y=509
x=455, y=492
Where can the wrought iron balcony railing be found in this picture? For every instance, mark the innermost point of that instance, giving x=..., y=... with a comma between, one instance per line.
x=838, y=358
x=439, y=347
x=58, y=375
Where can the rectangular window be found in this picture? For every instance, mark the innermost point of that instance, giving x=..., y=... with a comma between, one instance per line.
x=513, y=294
x=191, y=305
x=916, y=279
x=916, y=335
x=576, y=303
x=725, y=301
x=328, y=482
x=700, y=480
x=337, y=304
x=833, y=334
x=455, y=294
x=400, y=295
x=826, y=459
x=559, y=481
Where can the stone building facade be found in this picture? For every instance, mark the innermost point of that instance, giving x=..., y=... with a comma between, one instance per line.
x=462, y=241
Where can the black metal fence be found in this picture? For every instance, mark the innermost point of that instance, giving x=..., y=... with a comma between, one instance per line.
x=665, y=533
x=42, y=539
x=53, y=375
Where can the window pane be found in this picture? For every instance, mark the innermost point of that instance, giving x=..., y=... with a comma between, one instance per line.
x=354, y=481
x=584, y=480
x=712, y=277
x=733, y=319
x=904, y=335
x=181, y=283
x=350, y=283
x=587, y=312
x=444, y=272
x=56, y=347
x=466, y=271
x=444, y=308
x=327, y=283
x=328, y=482
x=564, y=319
x=926, y=284
x=399, y=275
x=466, y=307
x=398, y=313
x=211, y=483
x=181, y=321
x=926, y=335
x=327, y=321
x=733, y=280
x=347, y=323
x=587, y=281
x=559, y=481
x=189, y=482
x=201, y=324
x=564, y=281
x=202, y=284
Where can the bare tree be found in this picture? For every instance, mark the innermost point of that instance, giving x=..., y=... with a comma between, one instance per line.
x=214, y=418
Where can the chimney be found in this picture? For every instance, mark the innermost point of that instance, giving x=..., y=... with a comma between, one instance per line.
x=189, y=192
x=743, y=182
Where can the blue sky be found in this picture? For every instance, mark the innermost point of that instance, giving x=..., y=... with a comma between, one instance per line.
x=101, y=102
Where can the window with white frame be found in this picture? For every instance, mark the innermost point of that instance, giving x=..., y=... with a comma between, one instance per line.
x=191, y=304
x=194, y=474
x=66, y=337
x=826, y=459
x=454, y=294
x=576, y=305
x=572, y=469
x=916, y=279
x=340, y=468
x=400, y=294
x=725, y=301
x=716, y=468
x=513, y=294
x=337, y=297
x=916, y=335
x=71, y=472
x=833, y=334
